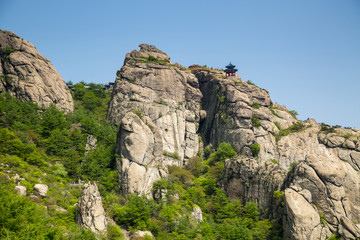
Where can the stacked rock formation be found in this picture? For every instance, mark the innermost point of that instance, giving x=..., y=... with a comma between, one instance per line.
x=90, y=212
x=29, y=76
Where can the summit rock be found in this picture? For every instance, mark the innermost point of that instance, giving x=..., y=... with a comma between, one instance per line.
x=29, y=76
x=157, y=104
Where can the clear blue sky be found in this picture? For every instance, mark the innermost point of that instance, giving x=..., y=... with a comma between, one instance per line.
x=306, y=53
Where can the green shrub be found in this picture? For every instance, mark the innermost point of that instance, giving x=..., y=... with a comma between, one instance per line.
x=255, y=122
x=297, y=127
x=139, y=113
x=277, y=125
x=135, y=212
x=292, y=166
x=207, y=151
x=279, y=197
x=335, y=236
x=293, y=113
x=114, y=232
x=162, y=102
x=274, y=161
x=8, y=50
x=255, y=105
x=174, y=155
x=327, y=128
x=224, y=151
x=90, y=101
x=60, y=170
x=181, y=175
x=221, y=99
x=195, y=166
x=152, y=58
x=12, y=145
x=255, y=149
x=53, y=119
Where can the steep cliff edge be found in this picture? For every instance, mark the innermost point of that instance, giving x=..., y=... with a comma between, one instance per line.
x=29, y=76
x=316, y=166
x=157, y=104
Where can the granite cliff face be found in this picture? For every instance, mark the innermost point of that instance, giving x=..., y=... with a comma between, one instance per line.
x=316, y=166
x=303, y=174
x=29, y=76
x=157, y=104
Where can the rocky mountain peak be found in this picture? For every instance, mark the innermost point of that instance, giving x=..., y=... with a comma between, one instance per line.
x=157, y=105
x=29, y=76
x=147, y=53
x=295, y=170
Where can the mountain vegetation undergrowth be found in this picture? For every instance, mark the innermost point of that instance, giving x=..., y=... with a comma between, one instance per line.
x=39, y=145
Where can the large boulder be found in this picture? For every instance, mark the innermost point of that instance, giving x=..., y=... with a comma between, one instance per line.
x=41, y=189
x=29, y=76
x=90, y=212
x=21, y=190
x=141, y=235
x=328, y=187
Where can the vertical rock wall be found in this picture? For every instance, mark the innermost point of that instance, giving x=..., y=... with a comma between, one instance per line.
x=157, y=105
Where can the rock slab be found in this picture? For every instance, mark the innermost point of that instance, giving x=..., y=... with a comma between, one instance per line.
x=29, y=76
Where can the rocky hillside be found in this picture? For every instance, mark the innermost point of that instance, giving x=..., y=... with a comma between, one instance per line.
x=29, y=76
x=304, y=174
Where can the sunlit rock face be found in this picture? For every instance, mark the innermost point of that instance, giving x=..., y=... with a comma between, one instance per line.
x=29, y=76
x=303, y=174
x=157, y=105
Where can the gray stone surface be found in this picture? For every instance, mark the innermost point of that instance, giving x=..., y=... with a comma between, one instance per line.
x=90, y=212
x=167, y=102
x=21, y=190
x=29, y=76
x=90, y=143
x=197, y=214
x=248, y=180
x=141, y=234
x=41, y=189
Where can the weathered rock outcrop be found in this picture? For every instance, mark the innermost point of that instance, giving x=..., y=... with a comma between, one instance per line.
x=321, y=190
x=158, y=106
x=241, y=114
x=90, y=143
x=41, y=189
x=328, y=187
x=314, y=169
x=21, y=190
x=90, y=212
x=249, y=180
x=29, y=76
x=141, y=234
x=197, y=214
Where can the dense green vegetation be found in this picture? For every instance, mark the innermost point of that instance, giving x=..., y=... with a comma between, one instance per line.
x=48, y=146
